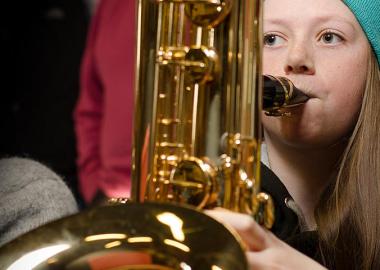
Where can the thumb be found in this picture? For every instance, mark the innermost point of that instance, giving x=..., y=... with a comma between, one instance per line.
x=251, y=233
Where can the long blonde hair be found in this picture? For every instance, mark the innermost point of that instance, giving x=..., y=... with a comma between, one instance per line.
x=348, y=215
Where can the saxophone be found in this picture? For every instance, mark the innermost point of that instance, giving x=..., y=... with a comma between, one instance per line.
x=197, y=137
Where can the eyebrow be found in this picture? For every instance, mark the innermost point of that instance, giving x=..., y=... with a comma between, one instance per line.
x=320, y=19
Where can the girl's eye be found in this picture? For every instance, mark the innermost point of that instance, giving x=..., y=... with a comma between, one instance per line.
x=331, y=38
x=272, y=40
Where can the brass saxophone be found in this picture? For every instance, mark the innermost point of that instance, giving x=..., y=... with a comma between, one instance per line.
x=204, y=60
x=196, y=145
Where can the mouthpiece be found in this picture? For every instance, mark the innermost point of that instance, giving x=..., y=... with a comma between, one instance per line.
x=280, y=93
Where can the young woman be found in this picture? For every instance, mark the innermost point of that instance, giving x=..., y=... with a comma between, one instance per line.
x=327, y=153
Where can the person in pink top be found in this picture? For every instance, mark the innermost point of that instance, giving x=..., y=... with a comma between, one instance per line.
x=104, y=112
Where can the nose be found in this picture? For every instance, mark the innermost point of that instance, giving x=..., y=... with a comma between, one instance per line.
x=299, y=59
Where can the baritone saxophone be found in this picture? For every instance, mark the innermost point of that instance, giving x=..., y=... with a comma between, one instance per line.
x=198, y=105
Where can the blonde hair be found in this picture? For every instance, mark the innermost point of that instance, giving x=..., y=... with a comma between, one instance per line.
x=348, y=215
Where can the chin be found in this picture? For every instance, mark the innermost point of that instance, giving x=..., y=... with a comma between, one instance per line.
x=302, y=137
x=307, y=142
x=301, y=130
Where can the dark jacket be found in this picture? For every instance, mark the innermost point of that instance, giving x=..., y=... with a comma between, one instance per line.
x=288, y=224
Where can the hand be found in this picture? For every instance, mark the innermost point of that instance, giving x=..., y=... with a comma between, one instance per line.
x=264, y=250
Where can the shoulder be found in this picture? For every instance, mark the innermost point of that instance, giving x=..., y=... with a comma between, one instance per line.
x=30, y=195
x=15, y=173
x=29, y=183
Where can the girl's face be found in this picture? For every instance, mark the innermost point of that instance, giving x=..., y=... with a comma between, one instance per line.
x=320, y=46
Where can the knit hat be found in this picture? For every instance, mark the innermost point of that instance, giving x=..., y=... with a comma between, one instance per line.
x=367, y=12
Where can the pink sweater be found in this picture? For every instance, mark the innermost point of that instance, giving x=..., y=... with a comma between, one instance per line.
x=103, y=116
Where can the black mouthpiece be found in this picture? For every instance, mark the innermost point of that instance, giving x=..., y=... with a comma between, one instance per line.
x=280, y=92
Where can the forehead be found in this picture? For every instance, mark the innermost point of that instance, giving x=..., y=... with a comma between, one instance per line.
x=306, y=10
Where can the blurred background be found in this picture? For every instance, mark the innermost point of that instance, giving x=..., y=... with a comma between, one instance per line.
x=41, y=48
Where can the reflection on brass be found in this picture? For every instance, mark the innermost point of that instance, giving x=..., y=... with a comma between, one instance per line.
x=265, y=216
x=199, y=63
x=118, y=200
x=207, y=59
x=126, y=237
x=208, y=13
x=193, y=181
x=238, y=166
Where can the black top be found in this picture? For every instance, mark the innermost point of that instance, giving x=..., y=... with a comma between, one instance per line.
x=287, y=223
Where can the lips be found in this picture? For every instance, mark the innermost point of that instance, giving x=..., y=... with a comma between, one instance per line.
x=305, y=90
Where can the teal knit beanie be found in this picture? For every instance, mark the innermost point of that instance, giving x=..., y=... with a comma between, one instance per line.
x=367, y=12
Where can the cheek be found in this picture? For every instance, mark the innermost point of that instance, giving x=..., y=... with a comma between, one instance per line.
x=343, y=72
x=343, y=105
x=271, y=62
x=344, y=87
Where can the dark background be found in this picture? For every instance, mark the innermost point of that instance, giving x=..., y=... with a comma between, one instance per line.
x=41, y=47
